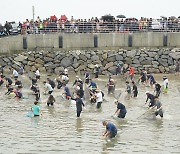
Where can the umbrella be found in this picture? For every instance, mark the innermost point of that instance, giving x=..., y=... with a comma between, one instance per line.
x=63, y=17
x=108, y=18
x=163, y=17
x=121, y=16
x=172, y=17
x=53, y=17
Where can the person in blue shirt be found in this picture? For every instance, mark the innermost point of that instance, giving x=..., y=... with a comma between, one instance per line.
x=111, y=130
x=150, y=79
x=92, y=85
x=67, y=92
x=121, y=109
x=36, y=109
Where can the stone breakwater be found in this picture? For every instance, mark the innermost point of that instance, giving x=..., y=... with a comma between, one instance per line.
x=155, y=60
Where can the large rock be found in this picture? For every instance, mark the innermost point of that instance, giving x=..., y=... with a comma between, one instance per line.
x=48, y=59
x=2, y=62
x=131, y=53
x=136, y=61
x=155, y=63
x=30, y=63
x=111, y=59
x=91, y=66
x=39, y=61
x=7, y=60
x=7, y=69
x=146, y=62
x=128, y=60
x=152, y=54
x=119, y=57
x=42, y=69
x=161, y=69
x=108, y=65
x=105, y=55
x=95, y=58
x=75, y=65
x=175, y=55
x=83, y=57
x=49, y=64
x=65, y=62
x=20, y=58
x=112, y=70
x=163, y=62
x=58, y=70
x=31, y=58
x=164, y=56
x=81, y=67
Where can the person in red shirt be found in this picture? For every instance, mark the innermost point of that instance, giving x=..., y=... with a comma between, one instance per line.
x=131, y=73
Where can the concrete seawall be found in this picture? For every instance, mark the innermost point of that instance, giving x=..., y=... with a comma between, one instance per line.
x=66, y=41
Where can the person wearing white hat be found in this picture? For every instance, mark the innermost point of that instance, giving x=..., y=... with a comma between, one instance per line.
x=96, y=71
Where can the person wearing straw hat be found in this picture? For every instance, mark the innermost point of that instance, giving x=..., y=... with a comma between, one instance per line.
x=111, y=130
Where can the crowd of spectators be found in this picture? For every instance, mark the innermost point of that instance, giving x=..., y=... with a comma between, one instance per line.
x=105, y=24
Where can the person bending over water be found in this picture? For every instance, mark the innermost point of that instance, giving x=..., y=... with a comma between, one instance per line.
x=121, y=109
x=111, y=130
x=51, y=100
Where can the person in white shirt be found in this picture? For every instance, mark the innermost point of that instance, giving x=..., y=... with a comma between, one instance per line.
x=15, y=74
x=66, y=72
x=37, y=74
x=99, y=97
x=65, y=79
x=166, y=84
x=48, y=88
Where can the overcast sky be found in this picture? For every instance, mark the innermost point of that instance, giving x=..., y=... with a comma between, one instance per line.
x=19, y=10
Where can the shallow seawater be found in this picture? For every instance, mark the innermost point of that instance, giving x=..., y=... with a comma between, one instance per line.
x=59, y=131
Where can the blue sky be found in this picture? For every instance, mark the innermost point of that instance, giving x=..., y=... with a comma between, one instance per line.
x=19, y=10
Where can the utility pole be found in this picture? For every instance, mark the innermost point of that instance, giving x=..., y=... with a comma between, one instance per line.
x=33, y=18
x=33, y=12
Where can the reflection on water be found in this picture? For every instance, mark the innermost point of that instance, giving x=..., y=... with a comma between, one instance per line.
x=79, y=126
x=58, y=130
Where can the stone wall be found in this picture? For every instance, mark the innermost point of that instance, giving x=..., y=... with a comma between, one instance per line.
x=155, y=60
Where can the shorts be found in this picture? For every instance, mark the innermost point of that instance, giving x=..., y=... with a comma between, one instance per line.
x=38, y=77
x=160, y=112
x=165, y=90
x=99, y=104
x=113, y=134
x=49, y=104
x=135, y=94
x=68, y=97
x=122, y=113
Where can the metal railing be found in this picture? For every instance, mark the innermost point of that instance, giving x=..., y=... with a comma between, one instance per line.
x=94, y=27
